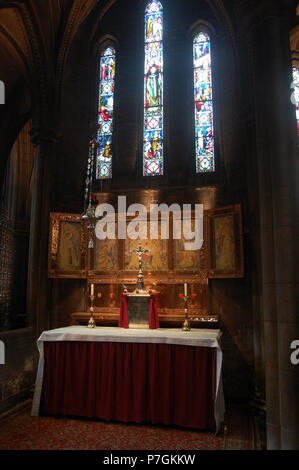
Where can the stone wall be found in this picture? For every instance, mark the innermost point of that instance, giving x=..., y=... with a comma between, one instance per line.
x=17, y=375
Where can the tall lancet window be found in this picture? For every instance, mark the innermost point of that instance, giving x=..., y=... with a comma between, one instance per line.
x=296, y=94
x=204, y=130
x=105, y=114
x=153, y=91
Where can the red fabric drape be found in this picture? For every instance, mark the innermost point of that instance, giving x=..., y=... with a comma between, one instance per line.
x=130, y=382
x=123, y=312
x=153, y=312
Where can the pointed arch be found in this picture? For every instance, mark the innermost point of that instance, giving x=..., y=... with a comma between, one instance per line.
x=296, y=94
x=153, y=90
x=105, y=112
x=203, y=103
x=294, y=42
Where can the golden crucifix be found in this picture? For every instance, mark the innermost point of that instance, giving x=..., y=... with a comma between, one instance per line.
x=140, y=252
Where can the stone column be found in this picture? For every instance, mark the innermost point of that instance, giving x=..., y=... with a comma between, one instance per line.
x=42, y=195
x=277, y=167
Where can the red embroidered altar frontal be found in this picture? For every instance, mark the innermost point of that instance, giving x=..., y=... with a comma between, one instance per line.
x=129, y=382
x=158, y=376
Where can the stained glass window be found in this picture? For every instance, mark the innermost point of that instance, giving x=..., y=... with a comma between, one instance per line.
x=153, y=91
x=204, y=130
x=105, y=114
x=296, y=94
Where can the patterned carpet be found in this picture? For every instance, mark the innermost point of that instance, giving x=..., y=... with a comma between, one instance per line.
x=20, y=431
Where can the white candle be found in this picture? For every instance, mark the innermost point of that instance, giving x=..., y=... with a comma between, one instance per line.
x=185, y=289
x=91, y=289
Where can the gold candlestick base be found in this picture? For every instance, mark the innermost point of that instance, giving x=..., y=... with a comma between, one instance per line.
x=91, y=322
x=186, y=324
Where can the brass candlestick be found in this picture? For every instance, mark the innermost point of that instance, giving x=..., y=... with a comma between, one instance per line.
x=186, y=324
x=91, y=322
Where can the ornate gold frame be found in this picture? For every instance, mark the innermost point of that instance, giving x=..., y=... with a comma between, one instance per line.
x=235, y=213
x=172, y=275
x=56, y=218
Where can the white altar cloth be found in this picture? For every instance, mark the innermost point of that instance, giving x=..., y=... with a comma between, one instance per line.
x=195, y=337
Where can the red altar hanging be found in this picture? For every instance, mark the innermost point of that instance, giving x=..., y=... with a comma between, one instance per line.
x=130, y=382
x=153, y=316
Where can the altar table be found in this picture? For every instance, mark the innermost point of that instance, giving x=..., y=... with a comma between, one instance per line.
x=160, y=376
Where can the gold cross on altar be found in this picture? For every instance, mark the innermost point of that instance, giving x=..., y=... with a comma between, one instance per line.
x=139, y=252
